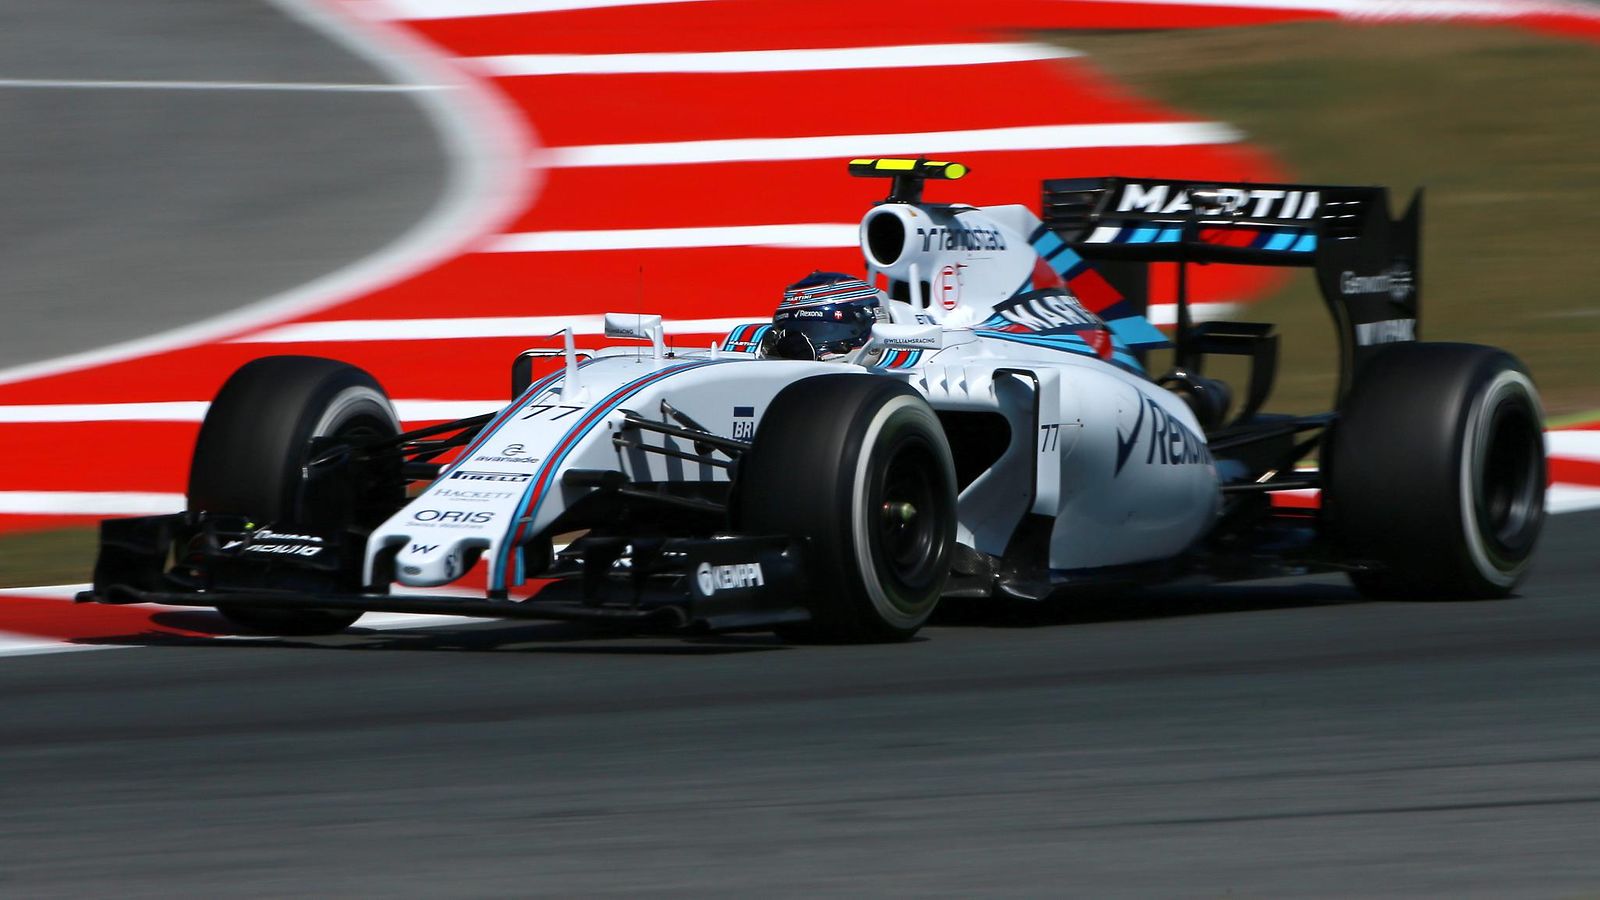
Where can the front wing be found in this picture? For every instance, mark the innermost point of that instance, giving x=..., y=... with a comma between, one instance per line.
x=722, y=583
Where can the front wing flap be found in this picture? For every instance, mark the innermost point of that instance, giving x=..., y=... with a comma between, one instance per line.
x=722, y=583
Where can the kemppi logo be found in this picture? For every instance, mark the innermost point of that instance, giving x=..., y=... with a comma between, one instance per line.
x=723, y=578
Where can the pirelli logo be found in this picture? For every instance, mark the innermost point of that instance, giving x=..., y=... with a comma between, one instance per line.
x=465, y=475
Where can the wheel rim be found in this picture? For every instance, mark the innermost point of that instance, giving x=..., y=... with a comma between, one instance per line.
x=1510, y=488
x=357, y=500
x=907, y=521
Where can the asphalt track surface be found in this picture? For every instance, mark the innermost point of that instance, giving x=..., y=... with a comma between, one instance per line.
x=1262, y=741
x=125, y=212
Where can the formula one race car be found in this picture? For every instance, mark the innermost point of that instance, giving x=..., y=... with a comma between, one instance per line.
x=971, y=419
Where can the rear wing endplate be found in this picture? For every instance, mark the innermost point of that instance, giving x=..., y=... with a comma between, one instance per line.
x=1367, y=264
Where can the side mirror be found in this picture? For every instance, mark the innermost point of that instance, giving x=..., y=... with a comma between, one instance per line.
x=634, y=327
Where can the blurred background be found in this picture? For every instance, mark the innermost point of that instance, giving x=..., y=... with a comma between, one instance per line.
x=426, y=187
x=185, y=180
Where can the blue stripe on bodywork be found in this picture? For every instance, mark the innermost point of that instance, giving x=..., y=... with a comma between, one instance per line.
x=499, y=421
x=1066, y=343
x=1136, y=331
x=534, y=494
x=1283, y=240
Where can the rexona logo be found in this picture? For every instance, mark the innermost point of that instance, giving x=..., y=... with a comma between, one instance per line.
x=453, y=516
x=1396, y=281
x=491, y=476
x=1260, y=203
x=727, y=578
x=1171, y=442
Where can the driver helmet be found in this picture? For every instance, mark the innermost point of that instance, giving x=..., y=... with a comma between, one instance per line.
x=824, y=315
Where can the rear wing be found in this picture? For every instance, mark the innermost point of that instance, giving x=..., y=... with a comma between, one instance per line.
x=1367, y=264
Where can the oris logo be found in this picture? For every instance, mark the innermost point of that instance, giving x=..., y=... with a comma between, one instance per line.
x=453, y=516
x=727, y=578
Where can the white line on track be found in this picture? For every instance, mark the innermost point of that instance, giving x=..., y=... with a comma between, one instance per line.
x=466, y=9
x=1566, y=498
x=339, y=331
x=456, y=329
x=1026, y=137
x=13, y=644
x=1399, y=9
x=25, y=645
x=309, y=87
x=1574, y=444
x=488, y=182
x=464, y=328
x=798, y=235
x=808, y=60
x=89, y=503
x=195, y=410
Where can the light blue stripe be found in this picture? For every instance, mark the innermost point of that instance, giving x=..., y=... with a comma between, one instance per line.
x=1066, y=343
x=1306, y=244
x=1064, y=261
x=1136, y=331
x=1170, y=236
x=498, y=569
x=1283, y=240
x=1143, y=235
x=1048, y=243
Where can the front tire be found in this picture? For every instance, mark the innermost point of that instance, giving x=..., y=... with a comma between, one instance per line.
x=250, y=460
x=1435, y=470
x=859, y=467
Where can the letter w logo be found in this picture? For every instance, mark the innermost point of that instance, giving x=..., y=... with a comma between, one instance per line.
x=424, y=549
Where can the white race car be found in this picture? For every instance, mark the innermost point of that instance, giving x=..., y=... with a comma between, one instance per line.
x=972, y=418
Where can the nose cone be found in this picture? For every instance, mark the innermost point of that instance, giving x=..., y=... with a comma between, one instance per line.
x=425, y=563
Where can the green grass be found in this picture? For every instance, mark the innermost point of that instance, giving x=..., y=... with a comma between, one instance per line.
x=62, y=556
x=1501, y=128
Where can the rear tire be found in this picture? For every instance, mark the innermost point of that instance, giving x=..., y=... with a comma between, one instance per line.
x=1435, y=470
x=250, y=460
x=859, y=467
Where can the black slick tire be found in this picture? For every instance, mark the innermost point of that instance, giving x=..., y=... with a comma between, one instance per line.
x=250, y=460
x=1435, y=472
x=858, y=466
